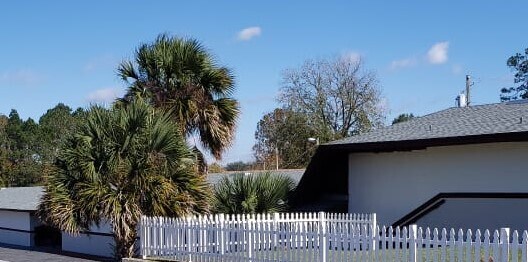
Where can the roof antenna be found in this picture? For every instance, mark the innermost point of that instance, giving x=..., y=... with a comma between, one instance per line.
x=468, y=85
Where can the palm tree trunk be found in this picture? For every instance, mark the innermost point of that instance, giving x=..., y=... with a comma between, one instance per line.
x=124, y=242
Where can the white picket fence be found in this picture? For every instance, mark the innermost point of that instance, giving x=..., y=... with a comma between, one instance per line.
x=266, y=237
x=320, y=237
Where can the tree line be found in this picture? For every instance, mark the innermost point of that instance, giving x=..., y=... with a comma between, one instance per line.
x=28, y=148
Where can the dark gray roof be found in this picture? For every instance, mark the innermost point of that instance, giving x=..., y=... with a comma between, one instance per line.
x=20, y=198
x=295, y=174
x=452, y=122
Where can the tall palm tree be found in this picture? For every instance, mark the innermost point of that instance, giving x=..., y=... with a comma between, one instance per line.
x=181, y=75
x=120, y=164
x=250, y=194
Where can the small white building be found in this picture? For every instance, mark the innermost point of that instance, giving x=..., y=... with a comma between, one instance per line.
x=21, y=227
x=99, y=241
x=463, y=167
x=18, y=223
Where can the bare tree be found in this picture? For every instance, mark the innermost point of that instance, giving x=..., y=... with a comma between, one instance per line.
x=337, y=95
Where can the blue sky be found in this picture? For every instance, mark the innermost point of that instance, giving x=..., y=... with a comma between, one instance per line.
x=67, y=51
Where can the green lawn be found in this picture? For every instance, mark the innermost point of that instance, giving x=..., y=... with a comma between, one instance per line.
x=300, y=254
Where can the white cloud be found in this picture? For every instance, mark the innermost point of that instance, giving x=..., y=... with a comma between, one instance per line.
x=104, y=95
x=25, y=77
x=402, y=63
x=247, y=34
x=437, y=54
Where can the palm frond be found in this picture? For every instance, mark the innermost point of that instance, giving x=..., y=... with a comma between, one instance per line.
x=180, y=75
x=257, y=193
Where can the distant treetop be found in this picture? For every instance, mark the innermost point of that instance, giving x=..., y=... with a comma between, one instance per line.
x=519, y=64
x=402, y=118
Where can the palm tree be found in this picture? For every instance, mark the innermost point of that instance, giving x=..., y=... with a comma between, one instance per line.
x=179, y=74
x=256, y=193
x=120, y=164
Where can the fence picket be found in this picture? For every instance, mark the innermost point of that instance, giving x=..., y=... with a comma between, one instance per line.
x=397, y=243
x=452, y=244
x=487, y=245
x=468, y=247
x=478, y=241
x=427, y=244
x=413, y=235
x=391, y=244
x=505, y=244
x=435, y=244
x=356, y=242
x=460, y=244
x=496, y=246
x=419, y=245
x=363, y=242
x=443, y=243
x=384, y=244
x=289, y=239
x=405, y=242
x=524, y=248
x=515, y=246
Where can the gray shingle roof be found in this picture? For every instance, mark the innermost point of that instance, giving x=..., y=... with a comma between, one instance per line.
x=20, y=198
x=452, y=122
x=295, y=174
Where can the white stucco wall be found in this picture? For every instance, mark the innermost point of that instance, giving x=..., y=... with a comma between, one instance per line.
x=17, y=221
x=485, y=212
x=393, y=184
x=92, y=244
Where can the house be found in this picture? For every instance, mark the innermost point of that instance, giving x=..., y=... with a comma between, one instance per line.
x=20, y=226
x=463, y=167
x=18, y=223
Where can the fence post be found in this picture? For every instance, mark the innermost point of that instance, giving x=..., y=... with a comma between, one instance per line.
x=189, y=238
x=161, y=236
x=143, y=237
x=221, y=225
x=374, y=231
x=249, y=238
x=413, y=256
x=322, y=236
x=275, y=229
x=505, y=244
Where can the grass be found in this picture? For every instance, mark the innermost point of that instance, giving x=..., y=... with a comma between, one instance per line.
x=300, y=254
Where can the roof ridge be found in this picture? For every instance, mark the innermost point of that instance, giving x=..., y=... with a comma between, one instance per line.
x=483, y=119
